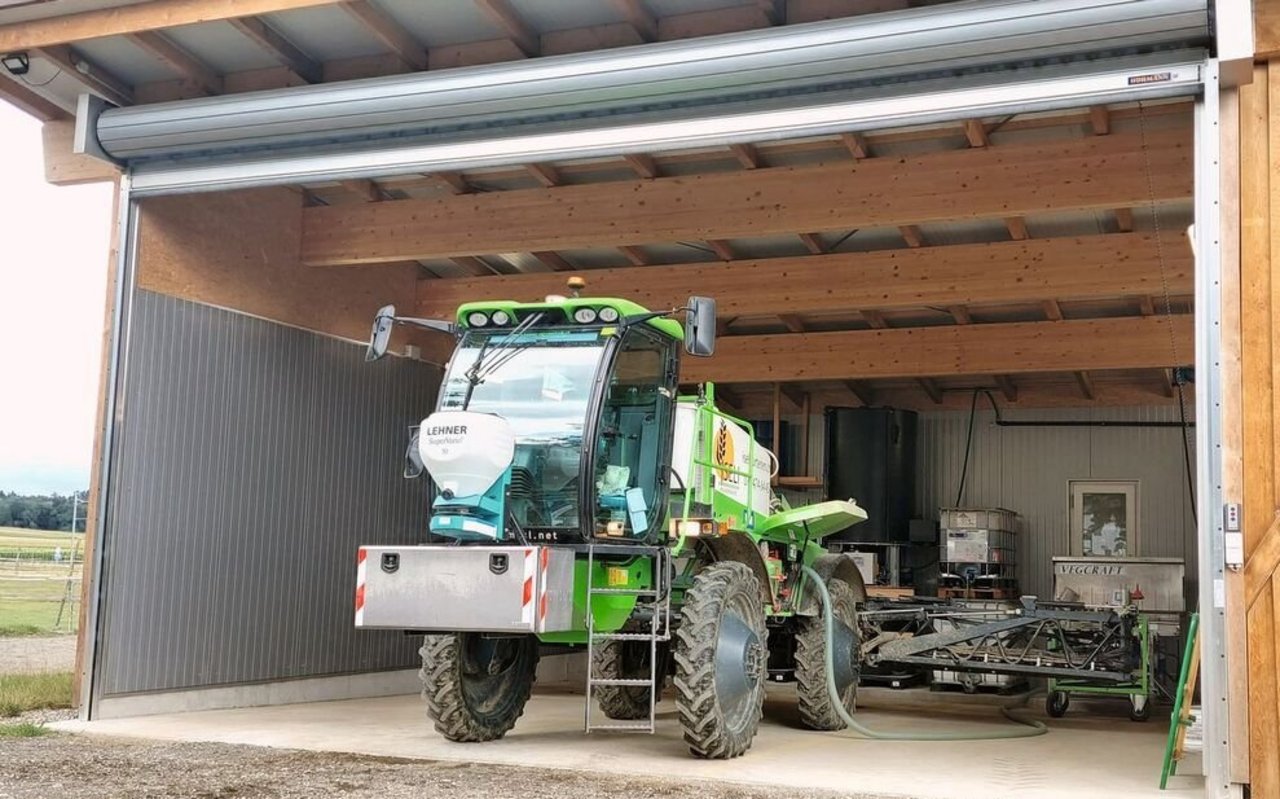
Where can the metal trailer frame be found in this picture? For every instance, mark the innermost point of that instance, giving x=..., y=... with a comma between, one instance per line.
x=1201, y=78
x=1140, y=687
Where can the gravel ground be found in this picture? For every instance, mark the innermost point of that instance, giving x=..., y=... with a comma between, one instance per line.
x=78, y=766
x=30, y=653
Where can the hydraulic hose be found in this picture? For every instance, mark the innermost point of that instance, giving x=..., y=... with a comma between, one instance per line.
x=1028, y=728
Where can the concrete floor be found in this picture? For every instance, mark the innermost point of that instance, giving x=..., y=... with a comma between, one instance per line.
x=1094, y=751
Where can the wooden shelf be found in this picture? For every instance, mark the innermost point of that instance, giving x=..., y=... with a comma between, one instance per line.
x=798, y=482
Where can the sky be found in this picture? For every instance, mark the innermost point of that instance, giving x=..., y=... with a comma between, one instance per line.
x=53, y=269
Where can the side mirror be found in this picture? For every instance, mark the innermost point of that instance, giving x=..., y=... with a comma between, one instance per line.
x=700, y=326
x=381, y=334
x=413, y=465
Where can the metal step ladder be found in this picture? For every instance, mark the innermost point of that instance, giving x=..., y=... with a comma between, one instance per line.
x=658, y=599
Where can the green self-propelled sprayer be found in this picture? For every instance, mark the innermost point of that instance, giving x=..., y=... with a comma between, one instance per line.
x=580, y=502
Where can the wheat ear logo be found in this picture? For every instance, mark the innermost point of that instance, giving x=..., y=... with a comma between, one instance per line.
x=724, y=452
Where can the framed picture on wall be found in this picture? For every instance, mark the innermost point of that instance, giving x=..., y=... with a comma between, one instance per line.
x=1104, y=518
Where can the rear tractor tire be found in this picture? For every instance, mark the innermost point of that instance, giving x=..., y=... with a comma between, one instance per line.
x=627, y=660
x=476, y=687
x=817, y=711
x=721, y=656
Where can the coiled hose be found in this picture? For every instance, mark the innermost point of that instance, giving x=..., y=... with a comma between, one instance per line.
x=1028, y=728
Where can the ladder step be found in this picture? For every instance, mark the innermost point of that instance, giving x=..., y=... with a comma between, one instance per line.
x=637, y=727
x=622, y=681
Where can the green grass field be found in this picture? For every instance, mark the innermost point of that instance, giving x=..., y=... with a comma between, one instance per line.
x=32, y=585
x=22, y=692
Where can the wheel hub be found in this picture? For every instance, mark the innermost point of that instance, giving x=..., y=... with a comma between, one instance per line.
x=739, y=663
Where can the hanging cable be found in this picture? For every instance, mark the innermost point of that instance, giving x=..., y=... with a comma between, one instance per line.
x=968, y=444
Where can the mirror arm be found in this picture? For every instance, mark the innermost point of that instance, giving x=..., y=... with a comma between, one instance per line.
x=427, y=324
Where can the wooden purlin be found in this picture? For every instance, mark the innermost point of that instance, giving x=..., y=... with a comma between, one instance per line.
x=962, y=274
x=1102, y=172
x=1007, y=348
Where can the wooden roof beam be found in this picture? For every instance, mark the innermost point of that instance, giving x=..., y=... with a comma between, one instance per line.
x=453, y=181
x=367, y=190
x=963, y=350
x=639, y=18
x=1166, y=383
x=856, y=144
x=643, y=165
x=1017, y=227
x=961, y=315
x=964, y=274
x=509, y=21
x=93, y=77
x=278, y=46
x=135, y=18
x=774, y=11
x=25, y=99
x=874, y=318
x=1146, y=306
x=1011, y=180
x=474, y=265
x=1124, y=219
x=1085, y=382
x=1052, y=310
x=791, y=392
x=911, y=235
x=793, y=322
x=187, y=65
x=394, y=36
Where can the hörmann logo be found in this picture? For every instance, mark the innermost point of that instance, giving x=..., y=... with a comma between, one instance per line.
x=447, y=430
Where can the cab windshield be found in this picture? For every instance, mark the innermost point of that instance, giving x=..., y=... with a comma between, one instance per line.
x=540, y=383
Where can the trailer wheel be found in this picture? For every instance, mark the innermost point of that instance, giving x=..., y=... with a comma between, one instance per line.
x=626, y=660
x=817, y=712
x=1056, y=703
x=721, y=661
x=476, y=687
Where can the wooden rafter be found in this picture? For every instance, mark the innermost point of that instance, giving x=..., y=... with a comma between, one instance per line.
x=452, y=181
x=874, y=318
x=975, y=131
x=640, y=18
x=1124, y=219
x=721, y=248
x=554, y=261
x=1166, y=383
x=856, y=144
x=862, y=391
x=774, y=11
x=930, y=387
x=1007, y=387
x=813, y=243
x=394, y=36
x=961, y=315
x=367, y=190
x=635, y=255
x=978, y=350
x=546, y=174
x=1100, y=120
x=185, y=64
x=1085, y=382
x=1052, y=310
x=643, y=165
x=1146, y=306
x=1003, y=272
x=760, y=202
x=136, y=18
x=798, y=398
x=476, y=266
x=91, y=75
x=509, y=21
x=747, y=155
x=280, y=48
x=911, y=235
x=1017, y=227
x=793, y=322
x=25, y=99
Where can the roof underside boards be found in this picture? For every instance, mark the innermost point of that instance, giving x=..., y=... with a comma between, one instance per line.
x=1147, y=288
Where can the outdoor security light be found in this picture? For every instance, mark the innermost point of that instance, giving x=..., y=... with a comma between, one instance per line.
x=16, y=63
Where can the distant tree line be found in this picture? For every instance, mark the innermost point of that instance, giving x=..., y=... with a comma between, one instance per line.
x=40, y=511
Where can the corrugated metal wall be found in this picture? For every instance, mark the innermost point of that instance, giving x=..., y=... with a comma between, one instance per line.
x=1027, y=469
x=253, y=459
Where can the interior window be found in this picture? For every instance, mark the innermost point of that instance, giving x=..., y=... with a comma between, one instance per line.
x=629, y=462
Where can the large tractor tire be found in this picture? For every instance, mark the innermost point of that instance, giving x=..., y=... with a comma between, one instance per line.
x=721, y=661
x=627, y=660
x=476, y=687
x=817, y=711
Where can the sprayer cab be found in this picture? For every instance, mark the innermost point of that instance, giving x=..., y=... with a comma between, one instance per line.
x=554, y=420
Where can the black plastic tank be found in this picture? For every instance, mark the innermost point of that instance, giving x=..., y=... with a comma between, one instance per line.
x=871, y=458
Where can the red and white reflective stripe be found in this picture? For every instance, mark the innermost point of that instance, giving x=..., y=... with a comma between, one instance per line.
x=545, y=556
x=360, y=580
x=526, y=602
